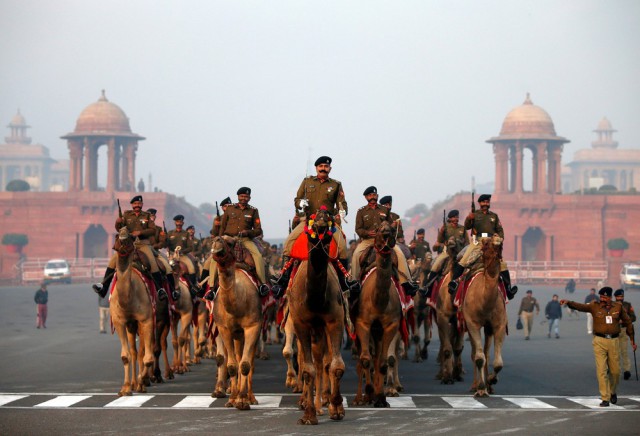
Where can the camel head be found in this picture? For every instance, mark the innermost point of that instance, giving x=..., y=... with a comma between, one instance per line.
x=124, y=242
x=222, y=249
x=454, y=245
x=320, y=226
x=385, y=238
x=491, y=249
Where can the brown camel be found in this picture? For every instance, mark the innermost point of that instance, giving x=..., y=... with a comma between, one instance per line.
x=484, y=307
x=200, y=331
x=317, y=311
x=181, y=327
x=451, y=339
x=378, y=318
x=163, y=327
x=238, y=316
x=132, y=313
x=420, y=317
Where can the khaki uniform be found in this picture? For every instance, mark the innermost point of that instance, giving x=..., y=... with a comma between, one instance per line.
x=623, y=339
x=370, y=218
x=396, y=219
x=526, y=313
x=181, y=239
x=141, y=222
x=327, y=193
x=158, y=242
x=421, y=248
x=483, y=225
x=447, y=231
x=237, y=219
x=606, y=348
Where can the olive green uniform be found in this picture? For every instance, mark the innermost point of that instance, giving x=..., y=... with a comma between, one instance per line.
x=606, y=348
x=447, y=231
x=370, y=218
x=420, y=249
x=180, y=238
x=623, y=338
x=396, y=219
x=141, y=222
x=484, y=225
x=317, y=192
x=158, y=242
x=237, y=219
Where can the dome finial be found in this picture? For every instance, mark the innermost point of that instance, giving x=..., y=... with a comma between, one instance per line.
x=103, y=97
x=528, y=99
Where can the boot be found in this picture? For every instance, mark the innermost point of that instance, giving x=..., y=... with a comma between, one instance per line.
x=346, y=284
x=194, y=286
x=102, y=288
x=211, y=295
x=506, y=279
x=409, y=288
x=431, y=278
x=157, y=280
x=285, y=274
x=263, y=290
x=175, y=293
x=455, y=275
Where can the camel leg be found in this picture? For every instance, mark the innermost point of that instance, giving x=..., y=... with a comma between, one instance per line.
x=308, y=375
x=318, y=349
x=125, y=356
x=133, y=352
x=287, y=353
x=497, y=355
x=458, y=346
x=147, y=344
x=445, y=330
x=252, y=336
x=385, y=358
x=232, y=363
x=333, y=333
x=364, y=337
x=424, y=353
x=168, y=372
x=220, y=390
x=174, y=344
x=392, y=373
x=478, y=358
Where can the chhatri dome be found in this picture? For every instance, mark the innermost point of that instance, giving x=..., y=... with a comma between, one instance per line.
x=527, y=121
x=103, y=117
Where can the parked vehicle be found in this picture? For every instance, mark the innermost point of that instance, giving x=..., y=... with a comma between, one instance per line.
x=630, y=276
x=57, y=270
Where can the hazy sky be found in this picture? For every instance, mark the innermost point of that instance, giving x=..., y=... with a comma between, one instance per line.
x=401, y=94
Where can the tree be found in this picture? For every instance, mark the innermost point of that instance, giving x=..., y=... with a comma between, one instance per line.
x=18, y=185
x=617, y=244
x=18, y=239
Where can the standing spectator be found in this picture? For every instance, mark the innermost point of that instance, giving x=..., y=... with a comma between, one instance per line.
x=103, y=308
x=527, y=305
x=571, y=287
x=553, y=312
x=623, y=338
x=42, y=298
x=591, y=297
x=608, y=317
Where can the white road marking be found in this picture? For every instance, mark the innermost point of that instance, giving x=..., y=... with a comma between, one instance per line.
x=6, y=399
x=464, y=403
x=592, y=403
x=267, y=401
x=63, y=401
x=197, y=401
x=529, y=403
x=401, y=402
x=132, y=401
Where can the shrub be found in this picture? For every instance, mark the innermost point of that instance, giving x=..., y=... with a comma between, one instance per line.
x=617, y=244
x=19, y=239
x=18, y=185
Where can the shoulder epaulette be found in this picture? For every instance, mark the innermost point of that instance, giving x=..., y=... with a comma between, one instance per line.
x=363, y=207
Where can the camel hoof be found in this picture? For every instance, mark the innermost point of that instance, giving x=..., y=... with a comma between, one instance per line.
x=446, y=381
x=229, y=404
x=481, y=394
x=264, y=356
x=319, y=411
x=338, y=416
x=493, y=380
x=417, y=359
x=243, y=405
x=218, y=394
x=308, y=421
x=381, y=403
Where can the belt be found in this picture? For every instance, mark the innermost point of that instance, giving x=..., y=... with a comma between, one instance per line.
x=607, y=336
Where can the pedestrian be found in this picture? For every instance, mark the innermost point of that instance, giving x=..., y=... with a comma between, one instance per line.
x=42, y=298
x=553, y=312
x=571, y=286
x=607, y=317
x=589, y=298
x=622, y=339
x=103, y=308
x=527, y=304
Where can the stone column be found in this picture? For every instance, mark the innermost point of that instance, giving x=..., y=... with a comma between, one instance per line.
x=557, y=161
x=75, y=165
x=87, y=165
x=501, y=154
x=111, y=165
x=541, y=169
x=519, y=173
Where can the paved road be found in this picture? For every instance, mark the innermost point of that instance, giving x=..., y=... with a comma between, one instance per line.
x=64, y=379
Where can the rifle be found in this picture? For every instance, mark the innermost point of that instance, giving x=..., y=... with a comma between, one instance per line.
x=164, y=228
x=289, y=226
x=119, y=208
x=444, y=220
x=217, y=210
x=473, y=201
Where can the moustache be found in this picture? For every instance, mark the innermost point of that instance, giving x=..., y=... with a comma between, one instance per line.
x=324, y=172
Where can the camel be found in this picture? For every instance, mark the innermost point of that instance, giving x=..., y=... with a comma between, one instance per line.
x=131, y=311
x=316, y=307
x=420, y=316
x=180, y=327
x=163, y=326
x=379, y=313
x=484, y=307
x=200, y=331
x=451, y=339
x=238, y=316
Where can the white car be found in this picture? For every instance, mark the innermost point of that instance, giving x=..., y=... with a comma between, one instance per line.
x=57, y=270
x=630, y=276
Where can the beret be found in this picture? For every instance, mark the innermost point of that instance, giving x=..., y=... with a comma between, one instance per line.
x=152, y=211
x=323, y=160
x=385, y=200
x=370, y=190
x=178, y=217
x=420, y=231
x=606, y=291
x=618, y=292
x=244, y=190
x=225, y=201
x=452, y=213
x=529, y=291
x=136, y=198
x=484, y=197
x=191, y=227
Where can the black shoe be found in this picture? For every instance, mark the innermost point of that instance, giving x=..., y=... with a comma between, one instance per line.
x=511, y=292
x=604, y=404
x=162, y=294
x=453, y=287
x=100, y=289
x=211, y=295
x=175, y=295
x=263, y=290
x=409, y=288
x=277, y=291
x=614, y=398
x=627, y=375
